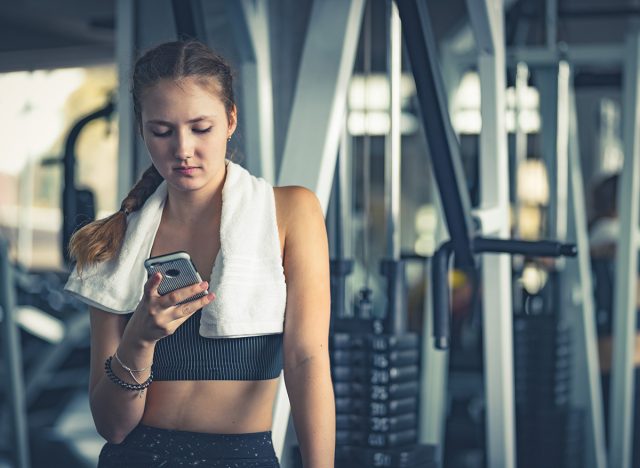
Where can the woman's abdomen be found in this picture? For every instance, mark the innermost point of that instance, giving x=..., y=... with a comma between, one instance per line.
x=223, y=407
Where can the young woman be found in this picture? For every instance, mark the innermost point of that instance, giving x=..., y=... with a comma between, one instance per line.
x=194, y=384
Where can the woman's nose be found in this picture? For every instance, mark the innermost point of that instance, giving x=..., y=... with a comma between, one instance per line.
x=183, y=145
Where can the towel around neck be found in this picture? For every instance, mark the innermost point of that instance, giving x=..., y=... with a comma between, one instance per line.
x=247, y=276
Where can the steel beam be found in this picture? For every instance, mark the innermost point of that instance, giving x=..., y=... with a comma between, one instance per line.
x=154, y=23
x=434, y=365
x=604, y=55
x=624, y=303
x=487, y=22
x=392, y=157
x=442, y=142
x=577, y=306
x=251, y=31
x=553, y=83
x=127, y=127
x=319, y=104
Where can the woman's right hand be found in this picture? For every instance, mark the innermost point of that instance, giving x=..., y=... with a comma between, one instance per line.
x=158, y=316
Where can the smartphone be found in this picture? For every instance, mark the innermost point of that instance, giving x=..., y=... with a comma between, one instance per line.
x=177, y=270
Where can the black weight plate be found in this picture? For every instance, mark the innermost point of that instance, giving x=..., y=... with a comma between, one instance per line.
x=376, y=392
x=381, y=359
x=366, y=407
x=375, y=376
x=377, y=439
x=378, y=424
x=376, y=343
x=418, y=455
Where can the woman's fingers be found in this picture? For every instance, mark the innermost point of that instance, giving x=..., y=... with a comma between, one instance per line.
x=176, y=297
x=183, y=311
x=151, y=286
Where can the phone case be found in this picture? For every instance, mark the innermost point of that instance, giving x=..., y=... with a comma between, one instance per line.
x=177, y=271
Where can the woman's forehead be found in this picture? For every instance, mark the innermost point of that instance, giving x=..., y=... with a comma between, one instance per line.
x=189, y=98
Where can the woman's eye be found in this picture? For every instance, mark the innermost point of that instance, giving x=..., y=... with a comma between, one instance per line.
x=202, y=130
x=161, y=134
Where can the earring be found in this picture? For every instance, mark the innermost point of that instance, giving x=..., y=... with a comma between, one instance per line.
x=229, y=139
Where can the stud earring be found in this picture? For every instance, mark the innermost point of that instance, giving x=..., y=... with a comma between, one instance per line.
x=228, y=139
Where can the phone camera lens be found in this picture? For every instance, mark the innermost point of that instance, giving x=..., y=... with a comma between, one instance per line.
x=172, y=273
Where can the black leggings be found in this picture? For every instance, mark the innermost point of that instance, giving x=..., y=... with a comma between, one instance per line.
x=148, y=446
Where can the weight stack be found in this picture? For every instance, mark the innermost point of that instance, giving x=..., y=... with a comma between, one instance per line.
x=549, y=431
x=376, y=385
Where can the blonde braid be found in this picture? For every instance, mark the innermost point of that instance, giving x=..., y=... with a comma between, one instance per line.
x=101, y=240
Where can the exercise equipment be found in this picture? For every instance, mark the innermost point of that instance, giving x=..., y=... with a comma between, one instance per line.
x=548, y=430
x=78, y=205
x=13, y=389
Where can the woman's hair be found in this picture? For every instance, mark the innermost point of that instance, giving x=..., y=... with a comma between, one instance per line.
x=101, y=240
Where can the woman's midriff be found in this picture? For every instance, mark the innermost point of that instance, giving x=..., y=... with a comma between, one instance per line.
x=220, y=406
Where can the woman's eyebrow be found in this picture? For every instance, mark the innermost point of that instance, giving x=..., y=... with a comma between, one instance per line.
x=194, y=120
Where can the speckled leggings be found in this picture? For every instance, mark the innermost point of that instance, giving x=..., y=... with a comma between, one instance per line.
x=147, y=446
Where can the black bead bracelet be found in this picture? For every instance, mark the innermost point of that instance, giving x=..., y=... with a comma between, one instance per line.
x=126, y=385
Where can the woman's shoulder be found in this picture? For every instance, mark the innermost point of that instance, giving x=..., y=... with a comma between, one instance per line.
x=294, y=204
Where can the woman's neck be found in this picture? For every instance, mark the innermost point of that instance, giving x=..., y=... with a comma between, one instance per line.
x=191, y=207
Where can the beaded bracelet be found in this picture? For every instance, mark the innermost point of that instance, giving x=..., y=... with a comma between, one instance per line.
x=140, y=387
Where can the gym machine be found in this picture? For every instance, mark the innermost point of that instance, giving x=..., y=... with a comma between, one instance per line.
x=78, y=205
x=16, y=424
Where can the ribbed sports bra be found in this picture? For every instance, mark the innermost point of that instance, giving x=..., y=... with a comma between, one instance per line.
x=185, y=355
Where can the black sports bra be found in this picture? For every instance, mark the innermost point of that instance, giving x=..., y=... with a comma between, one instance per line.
x=185, y=355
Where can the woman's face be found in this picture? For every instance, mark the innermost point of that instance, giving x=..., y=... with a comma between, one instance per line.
x=185, y=128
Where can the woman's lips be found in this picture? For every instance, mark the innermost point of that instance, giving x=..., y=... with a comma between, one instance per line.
x=186, y=170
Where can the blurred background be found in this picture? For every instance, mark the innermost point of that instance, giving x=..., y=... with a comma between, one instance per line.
x=321, y=104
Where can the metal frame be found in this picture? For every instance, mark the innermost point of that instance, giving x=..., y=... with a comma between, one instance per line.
x=319, y=104
x=392, y=158
x=434, y=365
x=577, y=302
x=14, y=383
x=593, y=54
x=251, y=32
x=487, y=22
x=125, y=44
x=441, y=139
x=553, y=82
x=624, y=320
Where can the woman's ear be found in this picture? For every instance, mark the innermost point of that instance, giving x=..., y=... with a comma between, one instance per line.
x=233, y=120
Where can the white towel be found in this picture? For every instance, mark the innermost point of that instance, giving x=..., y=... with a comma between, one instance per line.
x=247, y=276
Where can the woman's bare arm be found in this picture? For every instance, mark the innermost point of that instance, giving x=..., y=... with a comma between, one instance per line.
x=116, y=410
x=306, y=366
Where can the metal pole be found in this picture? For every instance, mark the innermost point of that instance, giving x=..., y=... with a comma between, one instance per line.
x=251, y=32
x=624, y=305
x=547, y=79
x=10, y=341
x=576, y=277
x=392, y=266
x=392, y=149
x=434, y=365
x=488, y=25
x=125, y=52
